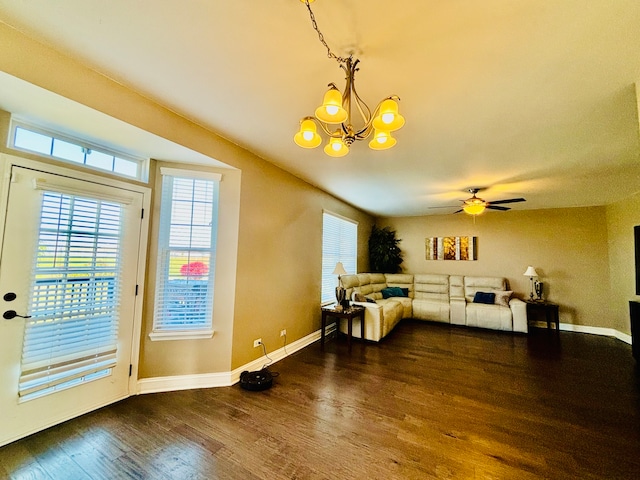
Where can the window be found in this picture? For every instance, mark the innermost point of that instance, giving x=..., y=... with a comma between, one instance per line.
x=55, y=145
x=71, y=336
x=186, y=255
x=339, y=244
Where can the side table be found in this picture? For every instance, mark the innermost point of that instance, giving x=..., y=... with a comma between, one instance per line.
x=349, y=314
x=550, y=311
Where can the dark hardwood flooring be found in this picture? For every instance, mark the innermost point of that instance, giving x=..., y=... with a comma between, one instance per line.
x=430, y=401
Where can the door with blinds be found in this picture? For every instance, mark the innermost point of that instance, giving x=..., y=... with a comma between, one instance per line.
x=67, y=285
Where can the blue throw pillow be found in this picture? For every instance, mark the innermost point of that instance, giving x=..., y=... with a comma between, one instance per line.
x=482, y=297
x=393, y=292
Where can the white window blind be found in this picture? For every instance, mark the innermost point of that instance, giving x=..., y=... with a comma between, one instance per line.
x=339, y=244
x=186, y=250
x=71, y=336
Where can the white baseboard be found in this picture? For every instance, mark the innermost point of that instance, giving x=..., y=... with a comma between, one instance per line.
x=223, y=379
x=607, y=332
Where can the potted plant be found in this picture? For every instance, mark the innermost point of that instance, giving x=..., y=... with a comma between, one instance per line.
x=384, y=254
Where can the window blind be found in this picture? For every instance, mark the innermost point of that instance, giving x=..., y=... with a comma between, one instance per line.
x=72, y=333
x=184, y=292
x=339, y=244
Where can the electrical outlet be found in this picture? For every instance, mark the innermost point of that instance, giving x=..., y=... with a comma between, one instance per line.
x=257, y=342
x=283, y=332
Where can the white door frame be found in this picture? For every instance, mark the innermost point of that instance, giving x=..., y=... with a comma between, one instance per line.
x=6, y=163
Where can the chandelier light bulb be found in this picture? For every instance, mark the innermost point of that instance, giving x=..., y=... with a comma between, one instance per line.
x=382, y=140
x=336, y=147
x=331, y=110
x=307, y=136
x=388, y=117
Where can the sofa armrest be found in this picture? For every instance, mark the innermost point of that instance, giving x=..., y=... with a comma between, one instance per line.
x=458, y=311
x=519, y=314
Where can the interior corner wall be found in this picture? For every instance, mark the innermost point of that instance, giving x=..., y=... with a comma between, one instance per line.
x=622, y=217
x=568, y=248
x=279, y=248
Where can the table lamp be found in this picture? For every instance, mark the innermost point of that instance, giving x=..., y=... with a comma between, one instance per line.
x=531, y=272
x=340, y=291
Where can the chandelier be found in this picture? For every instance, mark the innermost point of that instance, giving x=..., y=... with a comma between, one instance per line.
x=334, y=115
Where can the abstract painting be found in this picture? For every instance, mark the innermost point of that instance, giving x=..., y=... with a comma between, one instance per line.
x=451, y=248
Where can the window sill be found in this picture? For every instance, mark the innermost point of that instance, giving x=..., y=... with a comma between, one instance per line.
x=181, y=335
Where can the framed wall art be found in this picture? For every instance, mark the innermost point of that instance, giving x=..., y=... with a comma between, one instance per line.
x=451, y=248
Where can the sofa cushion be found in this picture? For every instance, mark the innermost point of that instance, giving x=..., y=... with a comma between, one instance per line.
x=494, y=317
x=431, y=287
x=482, y=284
x=502, y=297
x=484, y=297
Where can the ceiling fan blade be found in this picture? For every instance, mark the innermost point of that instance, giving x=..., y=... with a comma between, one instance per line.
x=458, y=211
x=508, y=200
x=446, y=206
x=492, y=207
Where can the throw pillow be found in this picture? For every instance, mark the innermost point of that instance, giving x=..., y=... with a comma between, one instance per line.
x=484, y=297
x=392, y=292
x=502, y=297
x=405, y=292
x=358, y=297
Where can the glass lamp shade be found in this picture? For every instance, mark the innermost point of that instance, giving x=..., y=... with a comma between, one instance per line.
x=474, y=208
x=388, y=117
x=308, y=136
x=331, y=110
x=382, y=140
x=336, y=147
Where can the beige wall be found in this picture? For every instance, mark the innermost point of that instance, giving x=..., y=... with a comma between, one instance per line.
x=621, y=218
x=568, y=247
x=278, y=223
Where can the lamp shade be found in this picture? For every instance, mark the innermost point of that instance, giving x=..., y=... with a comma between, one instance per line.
x=531, y=272
x=336, y=147
x=308, y=136
x=474, y=208
x=382, y=140
x=388, y=117
x=331, y=110
x=339, y=270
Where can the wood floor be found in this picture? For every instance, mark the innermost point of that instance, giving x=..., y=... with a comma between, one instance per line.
x=430, y=401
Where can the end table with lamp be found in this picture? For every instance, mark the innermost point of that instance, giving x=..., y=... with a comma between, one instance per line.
x=338, y=312
x=550, y=311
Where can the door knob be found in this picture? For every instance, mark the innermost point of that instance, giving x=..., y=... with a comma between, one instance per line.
x=9, y=314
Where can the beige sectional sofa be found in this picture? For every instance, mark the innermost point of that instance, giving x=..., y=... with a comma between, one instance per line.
x=434, y=297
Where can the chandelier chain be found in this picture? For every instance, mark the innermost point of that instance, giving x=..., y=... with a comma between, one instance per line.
x=330, y=54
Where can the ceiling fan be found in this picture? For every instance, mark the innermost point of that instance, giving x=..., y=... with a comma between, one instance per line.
x=476, y=205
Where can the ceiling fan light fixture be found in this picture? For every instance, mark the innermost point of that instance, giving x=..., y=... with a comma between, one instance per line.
x=474, y=209
x=307, y=136
x=474, y=206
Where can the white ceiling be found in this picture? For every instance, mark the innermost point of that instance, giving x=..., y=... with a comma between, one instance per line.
x=529, y=98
